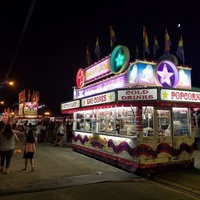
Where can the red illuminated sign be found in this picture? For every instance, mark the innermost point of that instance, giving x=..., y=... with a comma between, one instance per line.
x=80, y=78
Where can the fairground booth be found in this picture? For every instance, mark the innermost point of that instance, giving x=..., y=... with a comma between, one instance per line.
x=134, y=115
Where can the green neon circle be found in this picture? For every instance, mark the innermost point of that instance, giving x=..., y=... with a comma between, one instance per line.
x=119, y=51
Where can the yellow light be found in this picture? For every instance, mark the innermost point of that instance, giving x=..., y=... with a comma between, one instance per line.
x=47, y=113
x=10, y=82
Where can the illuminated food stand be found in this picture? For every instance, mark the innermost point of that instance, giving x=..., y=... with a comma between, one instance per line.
x=134, y=115
x=27, y=109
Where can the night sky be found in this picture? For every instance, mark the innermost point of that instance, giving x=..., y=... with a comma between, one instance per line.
x=43, y=43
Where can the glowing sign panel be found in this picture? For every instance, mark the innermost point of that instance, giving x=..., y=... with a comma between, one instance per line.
x=99, y=99
x=70, y=105
x=80, y=78
x=119, y=59
x=179, y=95
x=113, y=83
x=167, y=74
x=141, y=94
x=97, y=70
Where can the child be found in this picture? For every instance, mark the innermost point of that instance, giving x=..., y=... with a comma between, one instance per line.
x=30, y=149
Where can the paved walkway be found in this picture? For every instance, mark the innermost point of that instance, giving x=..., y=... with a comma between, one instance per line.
x=57, y=167
x=61, y=167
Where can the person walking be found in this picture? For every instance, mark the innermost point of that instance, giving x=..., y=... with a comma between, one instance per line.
x=25, y=128
x=38, y=132
x=30, y=149
x=43, y=131
x=65, y=135
x=60, y=135
x=8, y=141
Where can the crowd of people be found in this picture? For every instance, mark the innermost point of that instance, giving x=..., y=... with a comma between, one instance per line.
x=59, y=133
x=56, y=132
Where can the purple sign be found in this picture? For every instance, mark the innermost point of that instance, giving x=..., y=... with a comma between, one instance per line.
x=111, y=84
x=167, y=74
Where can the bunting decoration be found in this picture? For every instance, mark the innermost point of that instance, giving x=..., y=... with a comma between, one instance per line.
x=180, y=50
x=145, y=42
x=88, y=56
x=167, y=43
x=97, y=49
x=112, y=38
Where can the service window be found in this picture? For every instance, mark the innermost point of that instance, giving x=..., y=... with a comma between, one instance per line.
x=147, y=121
x=93, y=117
x=125, y=120
x=164, y=128
x=88, y=120
x=181, y=122
x=102, y=120
x=79, y=123
x=106, y=120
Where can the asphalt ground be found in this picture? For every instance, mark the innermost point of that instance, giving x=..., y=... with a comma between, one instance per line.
x=58, y=168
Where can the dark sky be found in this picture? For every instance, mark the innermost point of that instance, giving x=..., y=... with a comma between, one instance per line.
x=53, y=46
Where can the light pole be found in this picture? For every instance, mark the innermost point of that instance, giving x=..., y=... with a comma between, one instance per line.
x=10, y=83
x=7, y=82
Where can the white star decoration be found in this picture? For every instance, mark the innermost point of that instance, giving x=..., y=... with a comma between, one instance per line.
x=165, y=75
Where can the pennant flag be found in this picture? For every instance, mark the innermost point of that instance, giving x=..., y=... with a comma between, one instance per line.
x=88, y=56
x=112, y=38
x=155, y=46
x=180, y=50
x=97, y=49
x=167, y=42
x=136, y=52
x=145, y=41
